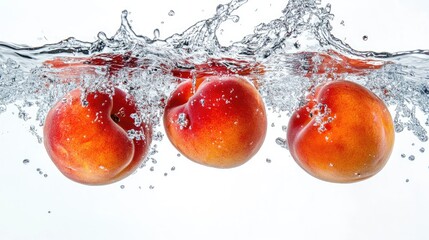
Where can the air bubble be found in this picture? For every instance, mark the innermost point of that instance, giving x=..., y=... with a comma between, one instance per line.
x=151, y=187
x=268, y=160
x=403, y=155
x=171, y=13
x=422, y=150
x=26, y=161
x=122, y=186
x=281, y=142
x=365, y=37
x=411, y=158
x=173, y=168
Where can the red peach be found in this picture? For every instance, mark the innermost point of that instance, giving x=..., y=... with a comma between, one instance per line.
x=221, y=122
x=343, y=134
x=97, y=142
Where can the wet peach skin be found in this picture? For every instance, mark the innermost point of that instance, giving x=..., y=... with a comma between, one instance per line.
x=220, y=123
x=90, y=144
x=356, y=137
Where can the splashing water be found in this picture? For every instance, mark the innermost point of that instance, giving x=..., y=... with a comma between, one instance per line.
x=297, y=51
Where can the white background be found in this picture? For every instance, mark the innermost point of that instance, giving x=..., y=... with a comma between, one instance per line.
x=258, y=200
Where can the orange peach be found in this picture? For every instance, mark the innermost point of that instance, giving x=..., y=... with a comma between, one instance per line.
x=98, y=139
x=220, y=122
x=343, y=134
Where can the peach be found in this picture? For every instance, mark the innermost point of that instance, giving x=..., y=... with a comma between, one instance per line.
x=343, y=134
x=220, y=122
x=97, y=140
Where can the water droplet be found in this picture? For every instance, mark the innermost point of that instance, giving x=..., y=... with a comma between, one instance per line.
x=235, y=19
x=178, y=155
x=26, y=161
x=365, y=37
x=45, y=175
x=151, y=187
x=152, y=168
x=49, y=211
x=268, y=160
x=403, y=155
x=407, y=180
x=411, y=158
x=122, y=186
x=156, y=34
x=124, y=13
x=171, y=13
x=165, y=174
x=220, y=8
x=3, y=108
x=328, y=7
x=297, y=45
x=273, y=125
x=102, y=36
x=422, y=150
x=342, y=23
x=173, y=168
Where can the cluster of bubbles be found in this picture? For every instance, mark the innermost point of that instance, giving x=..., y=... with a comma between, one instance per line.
x=39, y=170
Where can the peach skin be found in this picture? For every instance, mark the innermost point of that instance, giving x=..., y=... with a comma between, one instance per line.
x=343, y=134
x=96, y=141
x=220, y=122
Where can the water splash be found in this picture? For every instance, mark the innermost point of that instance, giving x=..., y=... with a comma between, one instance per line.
x=294, y=50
